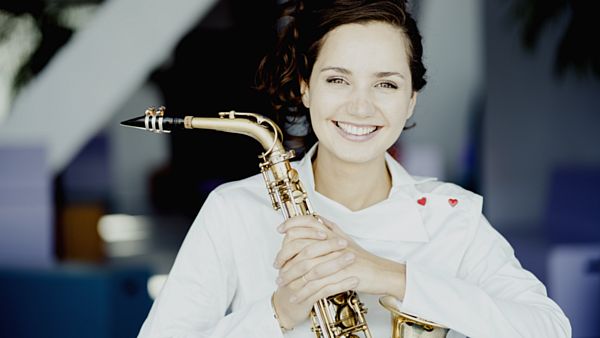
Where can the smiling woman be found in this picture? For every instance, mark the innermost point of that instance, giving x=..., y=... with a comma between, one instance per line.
x=359, y=96
x=353, y=69
x=359, y=93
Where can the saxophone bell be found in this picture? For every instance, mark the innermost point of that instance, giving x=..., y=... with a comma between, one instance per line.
x=405, y=325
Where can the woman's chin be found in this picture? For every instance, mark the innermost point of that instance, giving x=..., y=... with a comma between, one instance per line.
x=353, y=153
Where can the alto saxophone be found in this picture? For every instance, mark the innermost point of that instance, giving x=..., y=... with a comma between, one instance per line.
x=338, y=316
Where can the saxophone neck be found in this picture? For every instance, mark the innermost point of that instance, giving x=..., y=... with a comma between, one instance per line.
x=260, y=128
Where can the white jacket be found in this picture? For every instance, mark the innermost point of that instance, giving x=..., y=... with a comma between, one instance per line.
x=461, y=273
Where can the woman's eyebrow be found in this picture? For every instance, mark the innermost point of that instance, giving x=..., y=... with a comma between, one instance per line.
x=388, y=74
x=348, y=72
x=337, y=69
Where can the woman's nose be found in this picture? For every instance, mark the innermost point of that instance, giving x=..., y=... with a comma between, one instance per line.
x=361, y=104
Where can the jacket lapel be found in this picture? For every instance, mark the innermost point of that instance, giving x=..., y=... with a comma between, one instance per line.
x=397, y=218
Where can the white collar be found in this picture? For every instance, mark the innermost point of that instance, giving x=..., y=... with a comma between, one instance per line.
x=398, y=218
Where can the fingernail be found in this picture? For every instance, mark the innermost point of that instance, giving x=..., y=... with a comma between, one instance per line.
x=278, y=280
x=349, y=257
x=322, y=234
x=293, y=299
x=342, y=242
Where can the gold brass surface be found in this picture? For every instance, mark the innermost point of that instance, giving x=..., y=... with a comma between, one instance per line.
x=405, y=325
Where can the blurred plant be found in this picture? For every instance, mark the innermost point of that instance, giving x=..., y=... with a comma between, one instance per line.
x=578, y=47
x=31, y=32
x=43, y=34
x=53, y=24
x=18, y=39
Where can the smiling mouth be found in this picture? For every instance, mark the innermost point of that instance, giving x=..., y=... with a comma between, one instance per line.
x=356, y=130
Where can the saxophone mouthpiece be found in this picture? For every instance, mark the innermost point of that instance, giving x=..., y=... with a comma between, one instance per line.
x=136, y=122
x=155, y=121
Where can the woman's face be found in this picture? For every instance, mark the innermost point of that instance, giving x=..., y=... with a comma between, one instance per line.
x=359, y=93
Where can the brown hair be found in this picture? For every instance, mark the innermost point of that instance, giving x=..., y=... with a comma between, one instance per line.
x=298, y=45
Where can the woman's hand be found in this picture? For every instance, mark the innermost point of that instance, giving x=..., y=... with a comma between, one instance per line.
x=318, y=260
x=377, y=275
x=307, y=245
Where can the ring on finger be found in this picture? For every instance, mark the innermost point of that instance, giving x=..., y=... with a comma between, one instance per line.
x=304, y=279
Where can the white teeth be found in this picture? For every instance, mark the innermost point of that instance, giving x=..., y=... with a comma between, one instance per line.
x=354, y=130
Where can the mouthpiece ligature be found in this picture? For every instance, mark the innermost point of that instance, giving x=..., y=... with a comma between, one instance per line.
x=154, y=120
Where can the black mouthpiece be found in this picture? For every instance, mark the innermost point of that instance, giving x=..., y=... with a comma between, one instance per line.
x=136, y=122
x=158, y=124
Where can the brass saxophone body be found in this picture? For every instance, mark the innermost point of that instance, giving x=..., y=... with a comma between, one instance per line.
x=338, y=316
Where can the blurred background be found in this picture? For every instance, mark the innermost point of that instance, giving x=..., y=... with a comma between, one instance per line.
x=92, y=214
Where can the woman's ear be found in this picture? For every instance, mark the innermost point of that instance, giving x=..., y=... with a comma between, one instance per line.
x=305, y=92
x=411, y=105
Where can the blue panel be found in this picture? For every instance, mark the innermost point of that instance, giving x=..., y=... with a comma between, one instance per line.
x=573, y=213
x=73, y=302
x=26, y=210
x=87, y=177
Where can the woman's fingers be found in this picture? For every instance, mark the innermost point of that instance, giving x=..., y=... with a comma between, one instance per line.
x=331, y=225
x=322, y=288
x=320, y=248
x=304, y=233
x=289, y=250
x=297, y=269
x=297, y=231
x=317, y=268
x=301, y=250
x=302, y=221
x=329, y=267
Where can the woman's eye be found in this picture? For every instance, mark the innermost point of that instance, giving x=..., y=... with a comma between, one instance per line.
x=389, y=85
x=336, y=80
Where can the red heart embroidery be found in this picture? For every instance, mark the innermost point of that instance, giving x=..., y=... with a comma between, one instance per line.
x=422, y=200
x=453, y=202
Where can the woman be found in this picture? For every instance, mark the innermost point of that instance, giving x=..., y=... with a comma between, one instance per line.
x=354, y=67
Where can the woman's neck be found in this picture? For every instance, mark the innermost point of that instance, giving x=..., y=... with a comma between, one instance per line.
x=354, y=185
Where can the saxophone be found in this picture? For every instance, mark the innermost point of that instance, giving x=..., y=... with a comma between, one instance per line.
x=338, y=316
